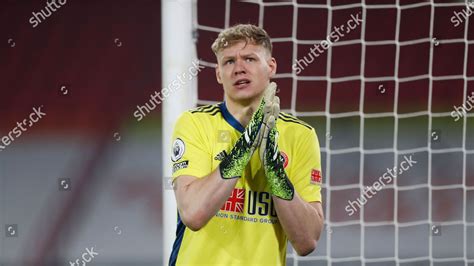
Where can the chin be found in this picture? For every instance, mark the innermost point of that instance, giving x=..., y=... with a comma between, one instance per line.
x=245, y=94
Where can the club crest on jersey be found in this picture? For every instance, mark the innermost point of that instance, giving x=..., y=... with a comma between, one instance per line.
x=178, y=150
x=286, y=160
x=316, y=176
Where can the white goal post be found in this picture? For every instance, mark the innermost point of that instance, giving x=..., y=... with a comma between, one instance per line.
x=178, y=53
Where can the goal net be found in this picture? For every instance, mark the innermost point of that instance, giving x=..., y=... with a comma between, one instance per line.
x=386, y=85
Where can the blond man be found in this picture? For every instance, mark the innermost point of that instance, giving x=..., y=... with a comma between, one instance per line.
x=246, y=176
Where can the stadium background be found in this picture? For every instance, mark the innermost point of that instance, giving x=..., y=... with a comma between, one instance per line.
x=92, y=62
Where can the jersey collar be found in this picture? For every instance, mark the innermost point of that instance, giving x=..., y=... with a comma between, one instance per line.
x=230, y=118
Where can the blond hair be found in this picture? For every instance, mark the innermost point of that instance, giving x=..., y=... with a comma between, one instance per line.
x=242, y=32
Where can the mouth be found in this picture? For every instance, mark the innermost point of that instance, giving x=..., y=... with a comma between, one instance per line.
x=241, y=83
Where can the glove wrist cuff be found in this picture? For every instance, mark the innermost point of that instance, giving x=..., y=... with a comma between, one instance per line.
x=280, y=184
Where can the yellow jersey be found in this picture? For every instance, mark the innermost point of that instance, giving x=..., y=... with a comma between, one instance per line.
x=246, y=230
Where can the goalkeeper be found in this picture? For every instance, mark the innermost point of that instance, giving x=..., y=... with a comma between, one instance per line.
x=246, y=176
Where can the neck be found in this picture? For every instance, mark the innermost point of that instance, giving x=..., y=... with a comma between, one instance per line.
x=243, y=111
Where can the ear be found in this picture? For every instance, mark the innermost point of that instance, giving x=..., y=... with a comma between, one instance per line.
x=272, y=64
x=218, y=75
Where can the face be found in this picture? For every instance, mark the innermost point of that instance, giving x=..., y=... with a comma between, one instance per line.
x=244, y=70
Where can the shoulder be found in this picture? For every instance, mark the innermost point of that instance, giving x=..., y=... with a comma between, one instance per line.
x=298, y=134
x=210, y=110
x=199, y=116
x=293, y=122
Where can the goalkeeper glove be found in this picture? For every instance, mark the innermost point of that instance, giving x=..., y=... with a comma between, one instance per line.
x=272, y=160
x=234, y=164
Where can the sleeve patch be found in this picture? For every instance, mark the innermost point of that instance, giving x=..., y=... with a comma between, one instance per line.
x=180, y=165
x=178, y=150
x=316, y=176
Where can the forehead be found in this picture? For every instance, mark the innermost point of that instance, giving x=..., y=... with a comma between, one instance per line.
x=241, y=48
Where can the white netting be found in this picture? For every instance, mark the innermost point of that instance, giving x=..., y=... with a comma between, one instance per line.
x=338, y=234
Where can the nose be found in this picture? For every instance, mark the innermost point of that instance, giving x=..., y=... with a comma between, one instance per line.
x=239, y=67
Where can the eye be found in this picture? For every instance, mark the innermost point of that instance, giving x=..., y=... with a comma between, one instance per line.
x=249, y=59
x=230, y=61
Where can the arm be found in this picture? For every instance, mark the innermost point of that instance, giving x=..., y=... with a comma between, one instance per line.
x=302, y=219
x=302, y=222
x=199, y=199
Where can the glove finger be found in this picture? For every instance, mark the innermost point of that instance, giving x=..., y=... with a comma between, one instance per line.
x=258, y=139
x=268, y=109
x=275, y=111
x=276, y=106
x=270, y=92
x=270, y=124
x=276, y=100
x=271, y=88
